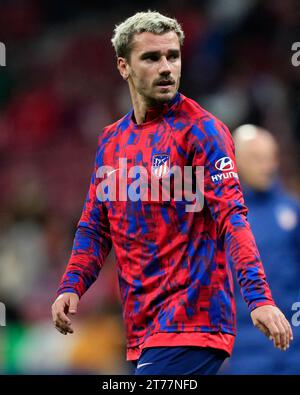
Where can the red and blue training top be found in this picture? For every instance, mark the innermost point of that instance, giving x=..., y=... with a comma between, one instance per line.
x=174, y=266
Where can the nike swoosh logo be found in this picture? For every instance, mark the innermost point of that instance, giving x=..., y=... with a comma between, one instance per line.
x=144, y=364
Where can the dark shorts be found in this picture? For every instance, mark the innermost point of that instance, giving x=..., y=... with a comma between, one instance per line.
x=186, y=360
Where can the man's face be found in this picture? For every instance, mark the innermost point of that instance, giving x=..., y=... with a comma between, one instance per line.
x=154, y=66
x=257, y=161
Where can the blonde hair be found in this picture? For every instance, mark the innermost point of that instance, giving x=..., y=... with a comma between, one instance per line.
x=150, y=21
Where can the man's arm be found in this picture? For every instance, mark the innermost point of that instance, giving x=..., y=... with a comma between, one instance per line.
x=92, y=244
x=224, y=198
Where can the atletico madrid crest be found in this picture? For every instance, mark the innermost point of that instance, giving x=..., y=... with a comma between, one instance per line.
x=160, y=165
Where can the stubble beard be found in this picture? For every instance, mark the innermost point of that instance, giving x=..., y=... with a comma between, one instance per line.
x=155, y=99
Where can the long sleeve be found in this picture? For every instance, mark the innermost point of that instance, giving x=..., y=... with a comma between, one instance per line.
x=214, y=150
x=92, y=243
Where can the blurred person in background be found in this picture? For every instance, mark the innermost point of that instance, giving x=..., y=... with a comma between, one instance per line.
x=274, y=216
x=173, y=265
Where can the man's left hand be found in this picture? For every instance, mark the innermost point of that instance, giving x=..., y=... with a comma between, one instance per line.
x=272, y=322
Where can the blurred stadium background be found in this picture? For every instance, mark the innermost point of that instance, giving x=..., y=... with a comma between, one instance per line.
x=59, y=88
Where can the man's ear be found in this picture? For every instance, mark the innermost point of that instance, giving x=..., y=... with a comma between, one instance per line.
x=123, y=68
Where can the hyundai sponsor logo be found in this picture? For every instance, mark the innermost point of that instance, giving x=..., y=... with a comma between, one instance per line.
x=222, y=176
x=224, y=164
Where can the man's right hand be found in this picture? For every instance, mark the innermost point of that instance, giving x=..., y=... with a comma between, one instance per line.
x=64, y=304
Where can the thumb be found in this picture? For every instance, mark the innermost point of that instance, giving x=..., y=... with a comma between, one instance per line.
x=73, y=304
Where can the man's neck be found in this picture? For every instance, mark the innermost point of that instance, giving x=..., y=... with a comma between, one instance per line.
x=141, y=107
